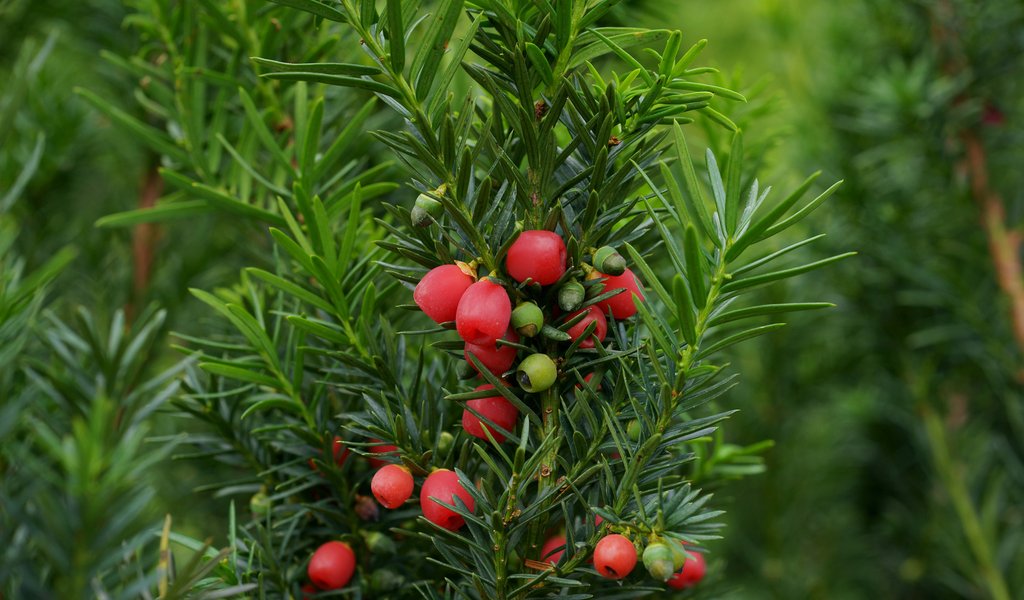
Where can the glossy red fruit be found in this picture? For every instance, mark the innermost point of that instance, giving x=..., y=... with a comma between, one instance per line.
x=332, y=566
x=692, y=572
x=594, y=314
x=553, y=549
x=440, y=290
x=392, y=485
x=614, y=556
x=484, y=313
x=308, y=591
x=443, y=485
x=538, y=255
x=500, y=411
x=498, y=358
x=340, y=454
x=375, y=462
x=621, y=304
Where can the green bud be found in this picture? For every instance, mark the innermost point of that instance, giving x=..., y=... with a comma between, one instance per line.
x=378, y=543
x=260, y=503
x=425, y=210
x=527, y=319
x=658, y=560
x=555, y=334
x=536, y=373
x=444, y=443
x=608, y=261
x=634, y=430
x=386, y=580
x=571, y=295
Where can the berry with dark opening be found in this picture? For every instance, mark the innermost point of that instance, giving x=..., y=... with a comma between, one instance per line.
x=658, y=561
x=614, y=556
x=536, y=373
x=332, y=565
x=497, y=358
x=484, y=313
x=608, y=260
x=527, y=319
x=553, y=549
x=593, y=315
x=392, y=485
x=570, y=295
x=375, y=462
x=538, y=255
x=444, y=485
x=621, y=304
x=439, y=292
x=692, y=572
x=495, y=408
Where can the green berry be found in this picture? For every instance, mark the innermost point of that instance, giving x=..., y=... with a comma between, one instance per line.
x=425, y=210
x=571, y=295
x=536, y=373
x=527, y=319
x=444, y=443
x=260, y=503
x=634, y=430
x=678, y=556
x=658, y=560
x=608, y=261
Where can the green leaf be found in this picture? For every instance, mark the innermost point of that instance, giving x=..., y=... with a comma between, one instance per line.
x=162, y=211
x=694, y=196
x=733, y=172
x=625, y=56
x=338, y=80
x=317, y=8
x=719, y=118
x=748, y=282
x=707, y=87
x=156, y=139
x=695, y=272
x=396, y=35
x=540, y=62
x=350, y=69
x=291, y=288
x=684, y=309
x=803, y=212
x=587, y=49
x=222, y=200
x=737, y=338
x=765, y=309
x=428, y=58
x=262, y=131
x=239, y=373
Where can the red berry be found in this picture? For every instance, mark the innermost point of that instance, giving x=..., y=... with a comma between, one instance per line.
x=340, y=452
x=594, y=314
x=621, y=304
x=377, y=463
x=498, y=358
x=484, y=313
x=440, y=290
x=692, y=572
x=553, y=549
x=496, y=408
x=332, y=566
x=444, y=485
x=392, y=485
x=538, y=255
x=614, y=556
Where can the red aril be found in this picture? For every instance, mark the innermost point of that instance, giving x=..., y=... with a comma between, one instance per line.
x=692, y=572
x=553, y=549
x=594, y=315
x=484, y=312
x=375, y=462
x=497, y=358
x=440, y=290
x=538, y=255
x=392, y=485
x=496, y=408
x=332, y=565
x=614, y=556
x=621, y=304
x=444, y=485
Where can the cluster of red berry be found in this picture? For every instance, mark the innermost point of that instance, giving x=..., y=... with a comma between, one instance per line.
x=615, y=557
x=493, y=331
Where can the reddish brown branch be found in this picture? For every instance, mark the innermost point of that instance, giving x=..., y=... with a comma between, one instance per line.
x=144, y=238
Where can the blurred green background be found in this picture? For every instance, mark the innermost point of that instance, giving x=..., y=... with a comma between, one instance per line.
x=897, y=417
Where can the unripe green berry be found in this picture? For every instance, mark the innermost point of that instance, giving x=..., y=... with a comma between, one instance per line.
x=634, y=430
x=260, y=503
x=444, y=443
x=658, y=560
x=536, y=373
x=379, y=543
x=571, y=295
x=527, y=319
x=425, y=210
x=678, y=556
x=608, y=261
